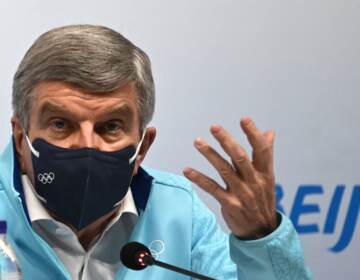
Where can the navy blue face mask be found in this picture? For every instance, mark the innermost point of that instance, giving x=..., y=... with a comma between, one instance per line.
x=80, y=186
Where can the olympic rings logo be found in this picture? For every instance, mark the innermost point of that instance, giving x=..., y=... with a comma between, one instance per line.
x=46, y=178
x=157, y=247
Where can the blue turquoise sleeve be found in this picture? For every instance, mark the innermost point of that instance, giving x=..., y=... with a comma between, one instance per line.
x=278, y=256
x=210, y=254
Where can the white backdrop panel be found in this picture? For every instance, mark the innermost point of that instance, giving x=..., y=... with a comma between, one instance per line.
x=292, y=65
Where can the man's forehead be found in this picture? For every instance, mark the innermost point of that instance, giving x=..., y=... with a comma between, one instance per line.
x=59, y=88
x=58, y=97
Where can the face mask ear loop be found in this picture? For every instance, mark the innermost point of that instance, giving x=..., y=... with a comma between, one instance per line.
x=37, y=154
x=137, y=149
x=32, y=149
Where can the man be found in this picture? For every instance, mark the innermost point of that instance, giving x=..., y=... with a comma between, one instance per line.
x=83, y=97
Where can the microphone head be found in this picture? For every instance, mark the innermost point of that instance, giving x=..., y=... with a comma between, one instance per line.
x=130, y=253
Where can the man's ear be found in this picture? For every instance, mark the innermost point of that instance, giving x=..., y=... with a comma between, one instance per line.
x=149, y=138
x=18, y=134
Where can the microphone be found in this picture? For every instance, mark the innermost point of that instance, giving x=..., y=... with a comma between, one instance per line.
x=137, y=256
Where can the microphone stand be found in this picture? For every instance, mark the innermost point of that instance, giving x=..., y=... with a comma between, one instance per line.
x=149, y=260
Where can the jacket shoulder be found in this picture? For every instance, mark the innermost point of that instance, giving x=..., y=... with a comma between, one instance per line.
x=169, y=179
x=6, y=164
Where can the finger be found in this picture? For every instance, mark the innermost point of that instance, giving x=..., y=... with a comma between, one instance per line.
x=270, y=136
x=222, y=166
x=237, y=154
x=261, y=143
x=254, y=135
x=265, y=165
x=206, y=183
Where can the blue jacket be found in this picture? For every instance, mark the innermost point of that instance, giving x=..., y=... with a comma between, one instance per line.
x=170, y=211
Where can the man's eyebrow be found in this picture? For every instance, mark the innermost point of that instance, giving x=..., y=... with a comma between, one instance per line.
x=51, y=107
x=122, y=109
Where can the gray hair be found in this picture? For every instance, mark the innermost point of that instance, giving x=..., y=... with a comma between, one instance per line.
x=95, y=58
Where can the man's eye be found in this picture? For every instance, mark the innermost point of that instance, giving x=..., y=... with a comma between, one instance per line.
x=112, y=127
x=59, y=124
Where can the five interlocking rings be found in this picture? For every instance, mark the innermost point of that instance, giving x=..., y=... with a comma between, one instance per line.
x=157, y=247
x=46, y=178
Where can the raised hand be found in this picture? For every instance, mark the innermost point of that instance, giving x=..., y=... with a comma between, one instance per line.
x=248, y=197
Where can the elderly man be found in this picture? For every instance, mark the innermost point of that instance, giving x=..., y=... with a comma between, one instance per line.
x=73, y=190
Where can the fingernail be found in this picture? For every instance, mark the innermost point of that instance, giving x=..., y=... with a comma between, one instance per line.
x=215, y=128
x=187, y=171
x=199, y=142
x=245, y=120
